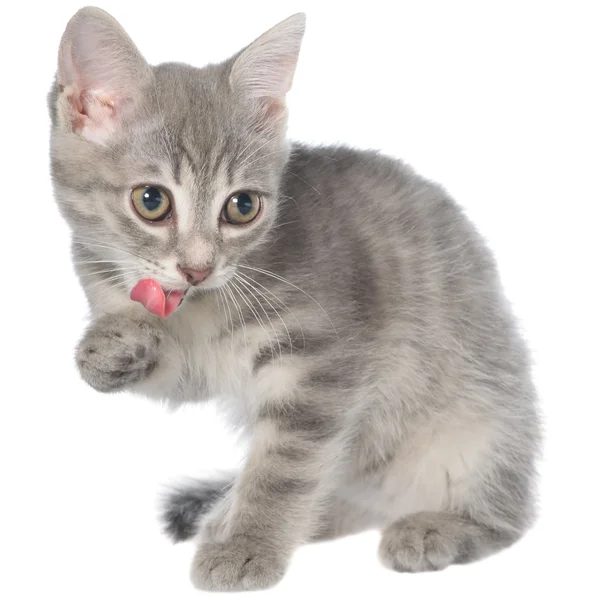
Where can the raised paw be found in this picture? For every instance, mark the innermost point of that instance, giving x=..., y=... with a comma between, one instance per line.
x=241, y=563
x=117, y=351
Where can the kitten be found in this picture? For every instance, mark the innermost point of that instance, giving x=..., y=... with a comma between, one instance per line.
x=346, y=310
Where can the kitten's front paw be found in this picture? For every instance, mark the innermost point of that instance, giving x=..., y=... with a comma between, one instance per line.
x=242, y=563
x=117, y=351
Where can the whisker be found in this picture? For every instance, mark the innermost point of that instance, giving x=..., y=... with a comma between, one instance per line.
x=243, y=163
x=292, y=199
x=241, y=154
x=306, y=182
x=286, y=223
x=221, y=305
x=117, y=278
x=266, y=314
x=227, y=292
x=283, y=280
x=94, y=262
x=121, y=270
x=246, y=284
x=279, y=301
x=247, y=165
x=325, y=155
x=242, y=321
x=94, y=244
x=108, y=289
x=255, y=314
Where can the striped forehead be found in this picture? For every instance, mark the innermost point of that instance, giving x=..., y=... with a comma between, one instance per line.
x=198, y=196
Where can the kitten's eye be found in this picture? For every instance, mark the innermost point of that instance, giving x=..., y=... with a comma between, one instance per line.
x=241, y=208
x=151, y=203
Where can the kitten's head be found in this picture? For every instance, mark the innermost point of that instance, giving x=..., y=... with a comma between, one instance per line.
x=168, y=172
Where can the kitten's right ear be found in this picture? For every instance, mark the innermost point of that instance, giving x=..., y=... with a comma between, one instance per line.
x=101, y=75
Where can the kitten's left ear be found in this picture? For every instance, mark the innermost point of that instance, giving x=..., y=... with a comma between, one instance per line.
x=265, y=69
x=101, y=75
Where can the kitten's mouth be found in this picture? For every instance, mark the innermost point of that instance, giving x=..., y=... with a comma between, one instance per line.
x=156, y=300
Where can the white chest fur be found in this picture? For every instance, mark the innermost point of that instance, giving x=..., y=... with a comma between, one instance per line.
x=215, y=360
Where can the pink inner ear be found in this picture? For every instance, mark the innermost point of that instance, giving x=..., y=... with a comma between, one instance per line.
x=92, y=112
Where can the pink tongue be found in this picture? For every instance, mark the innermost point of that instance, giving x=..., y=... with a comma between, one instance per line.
x=152, y=296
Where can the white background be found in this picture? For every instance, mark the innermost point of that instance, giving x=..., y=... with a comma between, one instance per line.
x=496, y=100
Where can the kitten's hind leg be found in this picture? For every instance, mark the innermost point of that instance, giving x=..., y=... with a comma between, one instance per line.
x=430, y=541
x=185, y=505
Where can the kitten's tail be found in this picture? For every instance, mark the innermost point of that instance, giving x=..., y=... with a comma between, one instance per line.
x=183, y=506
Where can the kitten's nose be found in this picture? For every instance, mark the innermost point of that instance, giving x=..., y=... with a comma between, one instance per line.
x=193, y=276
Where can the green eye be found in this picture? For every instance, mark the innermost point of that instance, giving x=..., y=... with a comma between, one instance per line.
x=241, y=208
x=151, y=203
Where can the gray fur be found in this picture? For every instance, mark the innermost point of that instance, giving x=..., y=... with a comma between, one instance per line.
x=433, y=541
x=184, y=506
x=359, y=325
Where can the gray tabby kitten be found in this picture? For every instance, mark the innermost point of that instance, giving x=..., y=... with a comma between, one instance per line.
x=343, y=308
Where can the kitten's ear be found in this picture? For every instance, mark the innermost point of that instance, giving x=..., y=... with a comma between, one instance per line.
x=101, y=75
x=265, y=69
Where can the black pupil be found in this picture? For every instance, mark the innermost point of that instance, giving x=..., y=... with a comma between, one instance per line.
x=244, y=204
x=152, y=198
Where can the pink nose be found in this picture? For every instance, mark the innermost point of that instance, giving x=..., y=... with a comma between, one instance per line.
x=193, y=276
